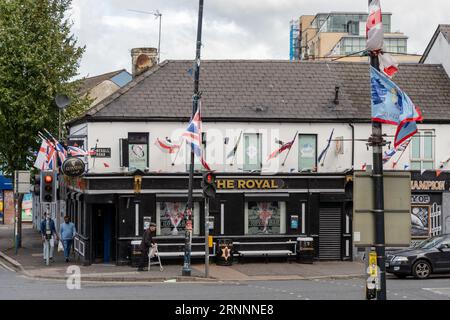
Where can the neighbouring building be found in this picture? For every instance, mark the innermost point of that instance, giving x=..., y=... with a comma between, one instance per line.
x=247, y=106
x=438, y=50
x=99, y=87
x=328, y=36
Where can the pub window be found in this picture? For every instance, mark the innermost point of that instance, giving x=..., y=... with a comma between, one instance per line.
x=170, y=219
x=422, y=150
x=138, y=157
x=197, y=164
x=252, y=151
x=307, y=152
x=265, y=217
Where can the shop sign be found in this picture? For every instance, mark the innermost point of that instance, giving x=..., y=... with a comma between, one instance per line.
x=102, y=153
x=249, y=184
x=428, y=185
x=73, y=167
x=420, y=199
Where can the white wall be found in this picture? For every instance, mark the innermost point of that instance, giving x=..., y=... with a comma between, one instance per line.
x=108, y=135
x=440, y=53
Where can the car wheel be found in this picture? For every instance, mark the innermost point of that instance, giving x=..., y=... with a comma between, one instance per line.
x=400, y=276
x=422, y=269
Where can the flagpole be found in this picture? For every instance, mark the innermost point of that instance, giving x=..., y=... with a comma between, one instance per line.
x=377, y=142
x=190, y=207
x=176, y=156
x=401, y=155
x=235, y=148
x=293, y=140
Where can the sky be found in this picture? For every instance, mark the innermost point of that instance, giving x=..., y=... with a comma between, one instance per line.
x=232, y=29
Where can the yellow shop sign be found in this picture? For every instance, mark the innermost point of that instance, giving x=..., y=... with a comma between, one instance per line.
x=249, y=184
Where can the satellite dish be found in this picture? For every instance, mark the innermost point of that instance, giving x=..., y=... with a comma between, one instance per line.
x=62, y=101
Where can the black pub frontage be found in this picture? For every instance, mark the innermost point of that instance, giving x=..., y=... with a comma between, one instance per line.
x=109, y=215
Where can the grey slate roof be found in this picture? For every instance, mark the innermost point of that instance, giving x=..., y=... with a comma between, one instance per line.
x=286, y=91
x=442, y=28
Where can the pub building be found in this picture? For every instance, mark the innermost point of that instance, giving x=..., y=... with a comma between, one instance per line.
x=249, y=109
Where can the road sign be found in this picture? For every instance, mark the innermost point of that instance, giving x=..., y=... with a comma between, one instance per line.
x=22, y=181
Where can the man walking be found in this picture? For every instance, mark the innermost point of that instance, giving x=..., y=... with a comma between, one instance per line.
x=49, y=235
x=67, y=233
x=146, y=243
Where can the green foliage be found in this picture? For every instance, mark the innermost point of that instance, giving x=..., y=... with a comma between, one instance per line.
x=38, y=58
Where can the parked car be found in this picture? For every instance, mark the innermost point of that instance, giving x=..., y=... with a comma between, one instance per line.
x=430, y=256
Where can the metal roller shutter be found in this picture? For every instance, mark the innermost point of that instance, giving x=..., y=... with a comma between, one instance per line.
x=330, y=234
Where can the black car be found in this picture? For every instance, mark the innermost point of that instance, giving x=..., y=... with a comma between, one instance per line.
x=430, y=256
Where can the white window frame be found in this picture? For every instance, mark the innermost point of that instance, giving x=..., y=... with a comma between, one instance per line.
x=422, y=159
x=246, y=166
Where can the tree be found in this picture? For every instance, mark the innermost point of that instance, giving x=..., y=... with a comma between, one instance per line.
x=38, y=58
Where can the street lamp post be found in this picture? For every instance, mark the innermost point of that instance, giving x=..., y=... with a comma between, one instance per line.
x=157, y=15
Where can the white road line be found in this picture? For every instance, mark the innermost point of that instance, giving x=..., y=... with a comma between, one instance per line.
x=6, y=267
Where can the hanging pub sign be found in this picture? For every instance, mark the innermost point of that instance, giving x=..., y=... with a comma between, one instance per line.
x=73, y=167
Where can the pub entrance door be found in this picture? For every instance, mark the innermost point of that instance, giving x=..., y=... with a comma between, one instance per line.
x=104, y=233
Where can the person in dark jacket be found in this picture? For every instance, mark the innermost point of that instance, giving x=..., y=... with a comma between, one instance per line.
x=49, y=236
x=146, y=243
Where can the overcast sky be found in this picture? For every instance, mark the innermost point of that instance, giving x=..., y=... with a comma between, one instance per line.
x=232, y=29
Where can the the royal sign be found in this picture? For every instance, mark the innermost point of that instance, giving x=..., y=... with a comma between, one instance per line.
x=249, y=184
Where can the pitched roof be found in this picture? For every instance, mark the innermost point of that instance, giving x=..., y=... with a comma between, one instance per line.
x=267, y=90
x=442, y=28
x=91, y=82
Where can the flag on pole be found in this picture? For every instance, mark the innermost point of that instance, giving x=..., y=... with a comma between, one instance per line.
x=374, y=27
x=233, y=152
x=167, y=146
x=389, y=103
x=41, y=159
x=62, y=152
x=324, y=152
x=193, y=135
x=79, y=152
x=404, y=132
x=281, y=149
x=387, y=64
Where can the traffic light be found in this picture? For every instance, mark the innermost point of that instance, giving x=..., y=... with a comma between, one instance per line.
x=37, y=185
x=209, y=185
x=48, y=186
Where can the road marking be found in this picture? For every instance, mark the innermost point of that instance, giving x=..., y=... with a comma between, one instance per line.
x=6, y=267
x=440, y=291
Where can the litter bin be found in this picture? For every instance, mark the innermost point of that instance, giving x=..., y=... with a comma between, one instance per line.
x=135, y=253
x=224, y=252
x=305, y=250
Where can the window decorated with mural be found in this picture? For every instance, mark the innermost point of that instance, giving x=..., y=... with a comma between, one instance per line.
x=265, y=217
x=170, y=218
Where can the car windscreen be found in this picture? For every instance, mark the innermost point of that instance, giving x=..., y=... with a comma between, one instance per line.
x=430, y=243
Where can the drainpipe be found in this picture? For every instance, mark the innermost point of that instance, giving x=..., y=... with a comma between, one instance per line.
x=353, y=144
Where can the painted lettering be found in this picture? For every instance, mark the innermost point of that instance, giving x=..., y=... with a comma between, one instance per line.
x=230, y=184
x=241, y=184
x=250, y=184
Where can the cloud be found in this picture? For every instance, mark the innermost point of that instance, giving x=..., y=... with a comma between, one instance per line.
x=233, y=29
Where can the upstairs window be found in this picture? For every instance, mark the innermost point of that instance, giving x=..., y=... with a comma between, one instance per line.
x=252, y=151
x=422, y=150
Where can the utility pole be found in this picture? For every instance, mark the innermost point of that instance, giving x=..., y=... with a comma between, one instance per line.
x=377, y=142
x=206, y=237
x=195, y=99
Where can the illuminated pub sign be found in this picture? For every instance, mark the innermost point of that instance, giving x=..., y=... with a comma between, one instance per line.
x=249, y=184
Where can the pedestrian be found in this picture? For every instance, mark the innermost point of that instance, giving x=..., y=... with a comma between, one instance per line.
x=49, y=235
x=146, y=243
x=67, y=233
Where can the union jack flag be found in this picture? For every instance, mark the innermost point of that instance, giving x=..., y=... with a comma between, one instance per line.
x=193, y=135
x=62, y=152
x=79, y=152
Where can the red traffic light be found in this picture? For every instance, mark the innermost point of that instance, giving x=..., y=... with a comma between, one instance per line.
x=209, y=178
x=48, y=179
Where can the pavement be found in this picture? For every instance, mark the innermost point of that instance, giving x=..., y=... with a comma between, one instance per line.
x=29, y=262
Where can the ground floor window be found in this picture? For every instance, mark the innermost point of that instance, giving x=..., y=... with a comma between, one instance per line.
x=170, y=219
x=265, y=217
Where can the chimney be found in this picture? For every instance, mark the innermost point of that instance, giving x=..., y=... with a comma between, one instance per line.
x=143, y=59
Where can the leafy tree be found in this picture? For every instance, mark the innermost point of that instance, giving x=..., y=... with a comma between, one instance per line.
x=38, y=58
